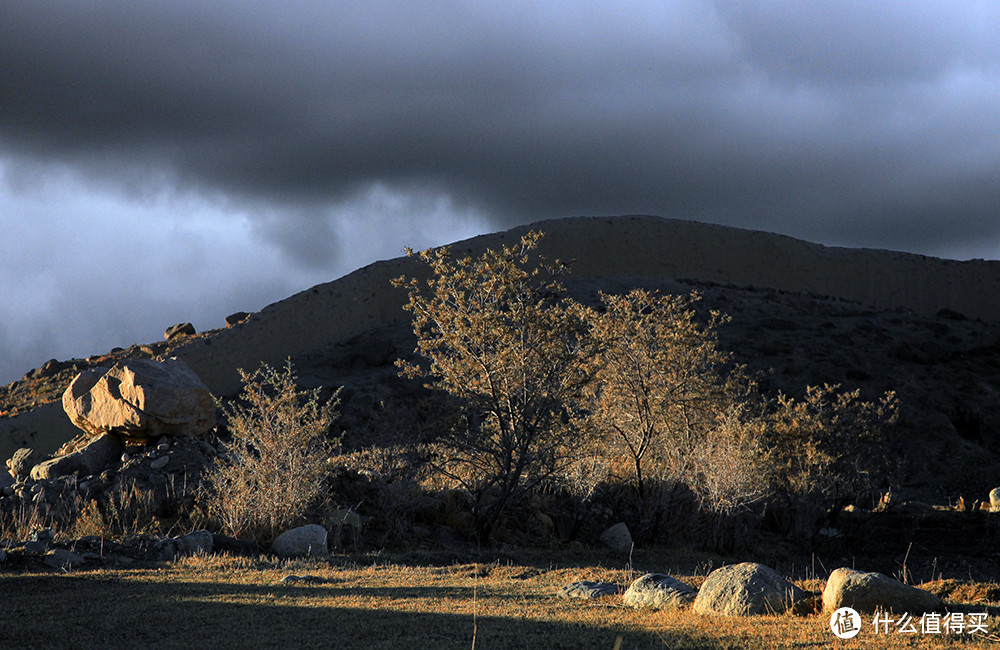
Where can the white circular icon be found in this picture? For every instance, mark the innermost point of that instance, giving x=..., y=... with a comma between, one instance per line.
x=845, y=623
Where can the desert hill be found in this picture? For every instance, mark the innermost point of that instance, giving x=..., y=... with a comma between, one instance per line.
x=801, y=314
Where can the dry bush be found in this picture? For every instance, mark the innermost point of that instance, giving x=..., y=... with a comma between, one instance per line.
x=496, y=335
x=657, y=384
x=640, y=385
x=828, y=450
x=669, y=406
x=276, y=462
x=125, y=511
x=20, y=522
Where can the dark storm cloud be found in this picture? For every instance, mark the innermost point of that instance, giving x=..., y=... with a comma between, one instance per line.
x=855, y=123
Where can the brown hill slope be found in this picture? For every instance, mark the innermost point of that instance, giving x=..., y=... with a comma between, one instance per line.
x=870, y=319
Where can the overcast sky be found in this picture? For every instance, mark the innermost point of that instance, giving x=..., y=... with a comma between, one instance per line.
x=178, y=160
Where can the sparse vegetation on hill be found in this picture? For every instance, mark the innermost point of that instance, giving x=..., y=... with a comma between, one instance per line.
x=498, y=335
x=641, y=382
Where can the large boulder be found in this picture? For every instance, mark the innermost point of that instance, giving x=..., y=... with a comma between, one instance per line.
x=746, y=589
x=141, y=399
x=659, y=591
x=103, y=452
x=304, y=540
x=869, y=591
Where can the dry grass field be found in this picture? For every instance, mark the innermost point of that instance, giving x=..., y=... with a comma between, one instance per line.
x=383, y=602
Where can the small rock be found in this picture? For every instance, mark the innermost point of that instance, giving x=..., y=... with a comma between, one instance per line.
x=3, y=556
x=588, y=590
x=42, y=535
x=21, y=462
x=618, y=538
x=995, y=499
x=304, y=540
x=197, y=543
x=36, y=548
x=659, y=591
x=166, y=549
x=159, y=463
x=233, y=546
x=180, y=329
x=346, y=526
x=236, y=318
x=306, y=579
x=61, y=558
x=89, y=484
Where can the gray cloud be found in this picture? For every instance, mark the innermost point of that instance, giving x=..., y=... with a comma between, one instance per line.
x=307, y=122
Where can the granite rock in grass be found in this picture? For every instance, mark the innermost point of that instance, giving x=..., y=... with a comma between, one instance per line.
x=659, y=591
x=747, y=589
x=869, y=591
x=589, y=590
x=304, y=540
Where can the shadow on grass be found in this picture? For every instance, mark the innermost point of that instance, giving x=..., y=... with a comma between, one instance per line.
x=98, y=611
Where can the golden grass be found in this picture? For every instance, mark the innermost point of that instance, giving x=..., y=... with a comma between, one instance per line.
x=223, y=602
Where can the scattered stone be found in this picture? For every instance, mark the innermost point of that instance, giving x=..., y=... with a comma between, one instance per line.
x=200, y=542
x=866, y=592
x=618, y=538
x=346, y=528
x=19, y=465
x=659, y=591
x=588, y=590
x=159, y=463
x=178, y=330
x=166, y=549
x=141, y=399
x=236, y=318
x=306, y=579
x=995, y=499
x=36, y=548
x=103, y=451
x=60, y=558
x=304, y=540
x=746, y=589
x=226, y=544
